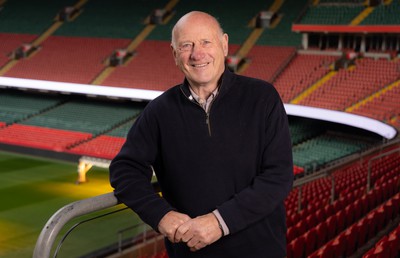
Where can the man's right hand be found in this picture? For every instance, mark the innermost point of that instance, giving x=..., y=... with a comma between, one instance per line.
x=170, y=223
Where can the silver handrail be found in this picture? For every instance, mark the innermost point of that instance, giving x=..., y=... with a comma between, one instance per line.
x=53, y=226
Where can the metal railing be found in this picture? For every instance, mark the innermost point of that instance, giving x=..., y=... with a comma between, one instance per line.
x=73, y=210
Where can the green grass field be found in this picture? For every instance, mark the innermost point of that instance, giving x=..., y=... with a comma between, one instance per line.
x=33, y=189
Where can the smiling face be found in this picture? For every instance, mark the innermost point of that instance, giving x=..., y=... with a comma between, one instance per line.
x=199, y=47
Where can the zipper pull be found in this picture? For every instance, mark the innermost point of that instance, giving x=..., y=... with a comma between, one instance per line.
x=208, y=123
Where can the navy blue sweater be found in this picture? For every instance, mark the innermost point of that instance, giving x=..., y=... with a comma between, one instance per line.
x=237, y=158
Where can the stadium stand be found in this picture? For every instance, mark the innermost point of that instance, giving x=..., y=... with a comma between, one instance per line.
x=84, y=116
x=340, y=213
x=267, y=61
x=332, y=14
x=150, y=74
x=352, y=210
x=28, y=17
x=281, y=34
x=41, y=137
x=10, y=42
x=81, y=59
x=357, y=82
x=15, y=107
x=104, y=146
x=384, y=14
x=101, y=19
x=303, y=71
x=383, y=106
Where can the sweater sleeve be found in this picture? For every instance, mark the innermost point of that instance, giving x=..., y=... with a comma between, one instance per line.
x=131, y=172
x=273, y=181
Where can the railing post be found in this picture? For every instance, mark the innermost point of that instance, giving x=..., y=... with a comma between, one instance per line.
x=333, y=188
x=299, y=199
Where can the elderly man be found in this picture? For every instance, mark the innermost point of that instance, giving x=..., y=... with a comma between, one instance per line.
x=220, y=147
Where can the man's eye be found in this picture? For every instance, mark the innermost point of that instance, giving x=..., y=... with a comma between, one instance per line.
x=186, y=46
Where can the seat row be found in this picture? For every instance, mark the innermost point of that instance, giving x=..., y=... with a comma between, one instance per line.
x=387, y=247
x=347, y=242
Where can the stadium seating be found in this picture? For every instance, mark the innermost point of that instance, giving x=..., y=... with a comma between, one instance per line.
x=15, y=107
x=104, y=146
x=29, y=17
x=332, y=14
x=349, y=86
x=92, y=117
x=266, y=61
x=302, y=72
x=81, y=59
x=41, y=137
x=281, y=34
x=9, y=43
x=386, y=14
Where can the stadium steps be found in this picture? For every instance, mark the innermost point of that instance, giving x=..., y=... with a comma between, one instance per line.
x=149, y=75
x=370, y=98
x=256, y=33
x=80, y=59
x=281, y=34
x=313, y=87
x=39, y=40
x=133, y=44
x=384, y=14
x=350, y=85
x=302, y=71
x=364, y=14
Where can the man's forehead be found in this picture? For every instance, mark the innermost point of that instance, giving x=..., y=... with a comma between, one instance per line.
x=200, y=33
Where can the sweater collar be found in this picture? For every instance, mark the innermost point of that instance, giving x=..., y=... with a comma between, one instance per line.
x=225, y=83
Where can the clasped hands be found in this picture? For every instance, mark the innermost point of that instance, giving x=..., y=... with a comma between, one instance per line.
x=196, y=233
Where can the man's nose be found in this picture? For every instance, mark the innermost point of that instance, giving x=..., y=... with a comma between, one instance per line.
x=197, y=52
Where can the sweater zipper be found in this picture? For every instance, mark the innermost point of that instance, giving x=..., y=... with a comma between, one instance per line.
x=208, y=122
x=207, y=113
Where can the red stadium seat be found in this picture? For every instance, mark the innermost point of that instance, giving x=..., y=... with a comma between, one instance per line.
x=301, y=227
x=322, y=232
x=362, y=231
x=310, y=238
x=291, y=234
x=325, y=251
x=296, y=247
x=340, y=221
x=332, y=226
x=350, y=236
x=338, y=245
x=311, y=221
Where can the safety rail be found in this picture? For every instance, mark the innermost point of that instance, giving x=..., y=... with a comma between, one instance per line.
x=73, y=210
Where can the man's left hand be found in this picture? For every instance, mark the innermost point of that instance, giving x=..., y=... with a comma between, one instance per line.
x=199, y=232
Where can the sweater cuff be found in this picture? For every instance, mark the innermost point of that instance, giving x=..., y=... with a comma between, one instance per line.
x=221, y=221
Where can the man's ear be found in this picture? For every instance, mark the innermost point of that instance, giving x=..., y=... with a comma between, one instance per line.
x=225, y=39
x=174, y=53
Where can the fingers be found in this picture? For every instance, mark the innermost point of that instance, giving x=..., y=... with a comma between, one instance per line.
x=170, y=223
x=183, y=233
x=198, y=232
